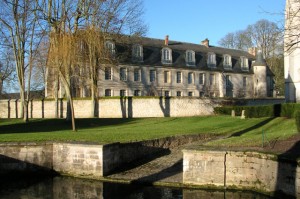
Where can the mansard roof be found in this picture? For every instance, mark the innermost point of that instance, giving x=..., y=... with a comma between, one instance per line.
x=152, y=54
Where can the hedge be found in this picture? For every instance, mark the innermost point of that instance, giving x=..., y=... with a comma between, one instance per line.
x=277, y=110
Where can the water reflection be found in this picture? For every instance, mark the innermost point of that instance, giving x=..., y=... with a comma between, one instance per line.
x=73, y=188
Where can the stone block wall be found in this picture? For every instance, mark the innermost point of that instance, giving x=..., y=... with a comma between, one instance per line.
x=113, y=108
x=25, y=157
x=249, y=170
x=78, y=159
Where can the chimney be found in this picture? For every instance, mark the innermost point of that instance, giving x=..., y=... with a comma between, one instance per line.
x=167, y=40
x=205, y=42
x=252, y=51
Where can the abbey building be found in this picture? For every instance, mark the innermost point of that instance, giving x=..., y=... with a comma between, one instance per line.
x=161, y=67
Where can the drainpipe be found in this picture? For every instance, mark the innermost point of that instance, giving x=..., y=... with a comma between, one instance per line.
x=226, y=153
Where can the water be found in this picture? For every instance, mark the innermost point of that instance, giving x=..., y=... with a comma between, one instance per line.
x=74, y=188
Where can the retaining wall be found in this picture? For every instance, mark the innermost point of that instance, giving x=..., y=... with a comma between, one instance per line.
x=243, y=170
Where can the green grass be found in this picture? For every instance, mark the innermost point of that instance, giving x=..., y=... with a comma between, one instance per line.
x=126, y=130
x=275, y=129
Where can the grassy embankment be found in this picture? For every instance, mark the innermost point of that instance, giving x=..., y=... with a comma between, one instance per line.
x=247, y=132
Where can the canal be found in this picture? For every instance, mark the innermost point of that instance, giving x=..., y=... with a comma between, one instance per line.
x=76, y=188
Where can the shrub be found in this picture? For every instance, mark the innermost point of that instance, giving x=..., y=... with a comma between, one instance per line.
x=288, y=110
x=297, y=119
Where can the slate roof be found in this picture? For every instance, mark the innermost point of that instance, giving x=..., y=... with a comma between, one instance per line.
x=152, y=55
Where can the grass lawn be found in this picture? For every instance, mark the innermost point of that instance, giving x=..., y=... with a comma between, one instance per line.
x=246, y=131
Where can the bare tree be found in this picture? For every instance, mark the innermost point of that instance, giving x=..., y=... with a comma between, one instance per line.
x=267, y=36
x=18, y=22
x=292, y=23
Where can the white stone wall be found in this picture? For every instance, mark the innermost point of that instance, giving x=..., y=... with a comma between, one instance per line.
x=250, y=170
x=78, y=159
x=114, y=108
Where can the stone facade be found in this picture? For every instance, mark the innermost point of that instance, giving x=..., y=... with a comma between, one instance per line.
x=153, y=67
x=243, y=170
x=292, y=51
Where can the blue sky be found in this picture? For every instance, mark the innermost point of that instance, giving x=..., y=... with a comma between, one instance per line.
x=194, y=20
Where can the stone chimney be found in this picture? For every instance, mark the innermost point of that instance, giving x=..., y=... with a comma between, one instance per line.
x=252, y=51
x=167, y=40
x=205, y=43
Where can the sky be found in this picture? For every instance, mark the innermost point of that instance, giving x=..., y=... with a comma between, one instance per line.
x=195, y=20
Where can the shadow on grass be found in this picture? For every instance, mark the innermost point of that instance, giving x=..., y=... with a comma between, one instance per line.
x=252, y=127
x=51, y=125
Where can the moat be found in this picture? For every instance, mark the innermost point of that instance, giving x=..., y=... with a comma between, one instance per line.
x=67, y=187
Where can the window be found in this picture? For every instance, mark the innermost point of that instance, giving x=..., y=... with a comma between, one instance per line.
x=190, y=78
x=211, y=60
x=201, y=94
x=228, y=80
x=110, y=46
x=137, y=53
x=227, y=62
x=167, y=77
x=166, y=57
x=190, y=94
x=107, y=92
x=137, y=75
x=201, y=78
x=190, y=58
x=167, y=93
x=179, y=77
x=122, y=93
x=244, y=82
x=107, y=73
x=137, y=93
x=178, y=93
x=212, y=79
x=244, y=64
x=152, y=75
x=123, y=74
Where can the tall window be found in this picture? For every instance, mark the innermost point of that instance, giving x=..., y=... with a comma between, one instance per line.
x=137, y=93
x=244, y=64
x=152, y=75
x=244, y=82
x=190, y=78
x=178, y=93
x=211, y=60
x=190, y=94
x=137, y=53
x=167, y=77
x=228, y=80
x=107, y=92
x=227, y=62
x=167, y=93
x=166, y=57
x=179, y=77
x=110, y=46
x=107, y=73
x=123, y=74
x=190, y=58
x=201, y=78
x=122, y=93
x=137, y=75
x=212, y=80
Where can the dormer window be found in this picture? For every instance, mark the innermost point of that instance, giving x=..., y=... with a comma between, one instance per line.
x=137, y=53
x=166, y=57
x=227, y=62
x=110, y=46
x=211, y=60
x=244, y=64
x=190, y=58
